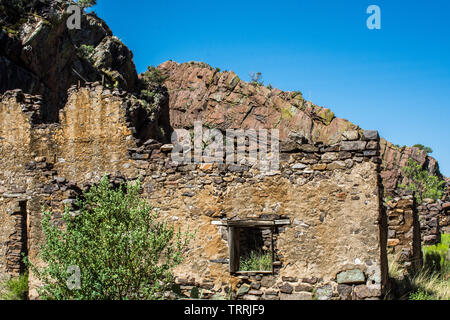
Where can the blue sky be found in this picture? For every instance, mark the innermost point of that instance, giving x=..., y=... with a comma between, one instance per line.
x=395, y=80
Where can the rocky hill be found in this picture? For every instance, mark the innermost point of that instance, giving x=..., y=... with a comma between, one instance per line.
x=41, y=56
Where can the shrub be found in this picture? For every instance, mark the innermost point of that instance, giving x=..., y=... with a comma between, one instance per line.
x=16, y=288
x=86, y=3
x=256, y=79
x=153, y=76
x=152, y=90
x=121, y=249
x=424, y=148
x=297, y=93
x=256, y=261
x=422, y=182
x=86, y=51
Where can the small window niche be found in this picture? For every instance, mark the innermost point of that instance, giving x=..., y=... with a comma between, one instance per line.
x=255, y=249
x=251, y=246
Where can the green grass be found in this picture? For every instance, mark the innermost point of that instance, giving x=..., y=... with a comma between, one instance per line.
x=256, y=261
x=436, y=256
x=15, y=288
x=420, y=295
x=432, y=281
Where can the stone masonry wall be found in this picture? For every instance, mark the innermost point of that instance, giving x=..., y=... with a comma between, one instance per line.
x=404, y=230
x=429, y=217
x=333, y=246
x=321, y=190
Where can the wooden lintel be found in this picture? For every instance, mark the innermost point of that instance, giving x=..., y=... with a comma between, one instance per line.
x=251, y=223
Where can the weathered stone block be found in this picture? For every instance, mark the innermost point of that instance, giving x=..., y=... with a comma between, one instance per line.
x=370, y=135
x=330, y=156
x=237, y=168
x=166, y=148
x=320, y=166
x=267, y=281
x=393, y=242
x=362, y=292
x=256, y=285
x=286, y=288
x=345, y=291
x=296, y=296
x=324, y=292
x=243, y=290
x=370, y=153
x=372, y=145
x=289, y=279
x=337, y=165
x=271, y=293
x=353, y=145
x=350, y=135
x=288, y=146
x=308, y=148
x=353, y=276
x=304, y=287
x=299, y=166
x=255, y=292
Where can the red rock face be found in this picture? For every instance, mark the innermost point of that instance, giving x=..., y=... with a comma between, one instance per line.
x=395, y=158
x=221, y=100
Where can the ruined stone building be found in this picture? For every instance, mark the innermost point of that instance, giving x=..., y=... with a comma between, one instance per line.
x=320, y=216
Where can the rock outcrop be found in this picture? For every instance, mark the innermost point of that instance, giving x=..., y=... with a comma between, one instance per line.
x=222, y=100
x=395, y=158
x=41, y=56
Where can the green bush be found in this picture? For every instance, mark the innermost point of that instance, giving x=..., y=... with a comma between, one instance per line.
x=256, y=79
x=424, y=184
x=85, y=52
x=153, y=76
x=424, y=148
x=120, y=247
x=256, y=261
x=86, y=3
x=16, y=288
x=297, y=93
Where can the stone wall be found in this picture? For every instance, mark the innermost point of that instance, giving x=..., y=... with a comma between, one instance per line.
x=331, y=244
x=404, y=230
x=434, y=220
x=47, y=165
x=429, y=216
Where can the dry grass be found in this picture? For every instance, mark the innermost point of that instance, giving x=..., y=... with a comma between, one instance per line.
x=435, y=285
x=432, y=282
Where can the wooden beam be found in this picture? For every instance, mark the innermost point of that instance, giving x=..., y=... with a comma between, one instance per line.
x=233, y=245
x=251, y=223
